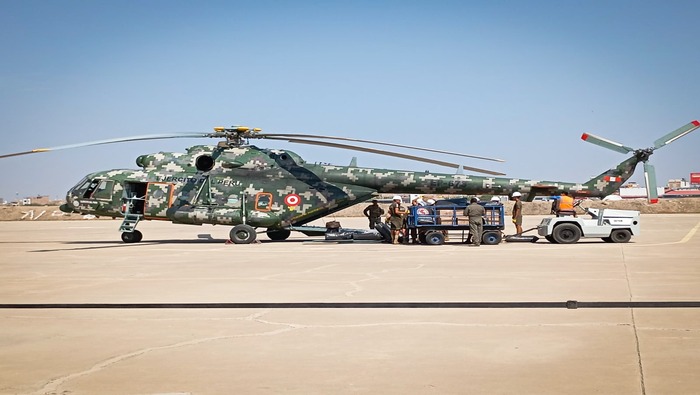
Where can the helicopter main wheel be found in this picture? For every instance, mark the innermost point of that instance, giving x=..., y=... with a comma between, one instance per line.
x=242, y=234
x=278, y=235
x=132, y=237
x=566, y=233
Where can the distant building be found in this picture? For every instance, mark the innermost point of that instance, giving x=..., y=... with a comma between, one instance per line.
x=633, y=193
x=39, y=200
x=695, y=178
x=678, y=183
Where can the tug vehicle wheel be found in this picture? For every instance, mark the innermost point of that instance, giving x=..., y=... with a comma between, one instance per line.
x=566, y=233
x=620, y=235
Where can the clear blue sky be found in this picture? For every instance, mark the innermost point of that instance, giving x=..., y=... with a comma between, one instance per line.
x=518, y=80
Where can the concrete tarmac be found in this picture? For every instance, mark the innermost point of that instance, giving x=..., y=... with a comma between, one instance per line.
x=338, y=350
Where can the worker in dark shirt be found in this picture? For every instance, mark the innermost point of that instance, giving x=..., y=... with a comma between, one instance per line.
x=374, y=213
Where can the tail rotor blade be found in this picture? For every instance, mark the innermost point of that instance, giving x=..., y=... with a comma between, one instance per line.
x=650, y=180
x=676, y=134
x=605, y=143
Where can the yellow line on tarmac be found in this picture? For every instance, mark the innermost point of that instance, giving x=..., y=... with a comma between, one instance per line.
x=690, y=234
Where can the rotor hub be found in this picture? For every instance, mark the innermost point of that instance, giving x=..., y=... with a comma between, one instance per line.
x=236, y=135
x=644, y=154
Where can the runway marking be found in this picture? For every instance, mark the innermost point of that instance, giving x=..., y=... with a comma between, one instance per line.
x=691, y=233
x=684, y=240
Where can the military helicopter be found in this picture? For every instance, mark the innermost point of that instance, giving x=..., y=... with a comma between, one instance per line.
x=238, y=184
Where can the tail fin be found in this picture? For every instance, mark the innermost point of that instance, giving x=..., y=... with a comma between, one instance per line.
x=611, y=180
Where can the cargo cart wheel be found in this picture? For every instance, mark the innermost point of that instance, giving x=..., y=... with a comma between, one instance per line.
x=434, y=238
x=421, y=237
x=491, y=238
x=242, y=234
x=620, y=235
x=566, y=233
x=132, y=237
x=278, y=235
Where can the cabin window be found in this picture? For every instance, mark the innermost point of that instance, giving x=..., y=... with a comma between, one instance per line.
x=104, y=190
x=90, y=189
x=263, y=201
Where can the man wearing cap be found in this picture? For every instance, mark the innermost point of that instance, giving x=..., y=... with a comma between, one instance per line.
x=396, y=213
x=374, y=213
x=475, y=212
x=518, y=213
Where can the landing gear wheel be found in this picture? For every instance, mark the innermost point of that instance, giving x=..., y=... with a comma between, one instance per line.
x=620, y=236
x=242, y=234
x=132, y=237
x=434, y=238
x=278, y=234
x=491, y=238
x=566, y=233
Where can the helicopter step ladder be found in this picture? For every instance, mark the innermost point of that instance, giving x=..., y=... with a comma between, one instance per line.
x=130, y=219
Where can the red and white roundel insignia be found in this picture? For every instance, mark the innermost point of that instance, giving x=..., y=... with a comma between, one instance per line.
x=292, y=199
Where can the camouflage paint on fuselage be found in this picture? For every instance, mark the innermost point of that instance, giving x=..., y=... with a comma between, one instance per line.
x=277, y=188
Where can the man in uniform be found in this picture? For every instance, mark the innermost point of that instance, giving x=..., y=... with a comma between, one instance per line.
x=475, y=212
x=518, y=213
x=396, y=213
x=374, y=213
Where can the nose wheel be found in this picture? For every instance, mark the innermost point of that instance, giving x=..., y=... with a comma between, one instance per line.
x=132, y=237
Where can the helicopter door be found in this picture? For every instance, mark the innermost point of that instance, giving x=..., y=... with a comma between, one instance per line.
x=159, y=196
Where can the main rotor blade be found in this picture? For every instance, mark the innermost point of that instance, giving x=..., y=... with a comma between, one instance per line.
x=650, y=180
x=378, y=143
x=111, y=141
x=676, y=134
x=386, y=153
x=605, y=143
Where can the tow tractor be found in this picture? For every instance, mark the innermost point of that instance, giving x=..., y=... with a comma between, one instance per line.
x=613, y=226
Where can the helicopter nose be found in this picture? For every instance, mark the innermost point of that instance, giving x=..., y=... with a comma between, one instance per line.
x=66, y=208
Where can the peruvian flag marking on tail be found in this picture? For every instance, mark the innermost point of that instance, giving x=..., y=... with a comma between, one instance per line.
x=613, y=179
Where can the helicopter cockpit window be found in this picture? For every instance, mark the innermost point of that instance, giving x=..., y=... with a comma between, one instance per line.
x=263, y=201
x=104, y=190
x=91, y=187
x=84, y=181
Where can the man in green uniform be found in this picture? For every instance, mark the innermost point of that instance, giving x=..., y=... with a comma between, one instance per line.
x=374, y=213
x=476, y=213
